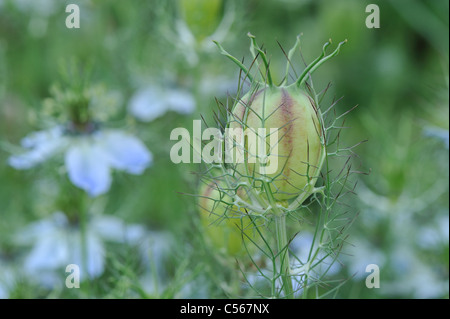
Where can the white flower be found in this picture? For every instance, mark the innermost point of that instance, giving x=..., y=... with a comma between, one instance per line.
x=56, y=243
x=150, y=103
x=89, y=158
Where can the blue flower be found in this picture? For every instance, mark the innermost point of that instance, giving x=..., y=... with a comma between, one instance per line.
x=152, y=102
x=56, y=243
x=89, y=158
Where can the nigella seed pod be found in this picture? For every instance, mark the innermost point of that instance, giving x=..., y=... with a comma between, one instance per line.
x=222, y=222
x=275, y=146
x=290, y=114
x=276, y=136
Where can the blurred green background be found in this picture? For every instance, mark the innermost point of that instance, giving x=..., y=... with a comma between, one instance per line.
x=397, y=75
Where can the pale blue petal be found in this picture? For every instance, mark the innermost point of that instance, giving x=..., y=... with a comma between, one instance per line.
x=113, y=229
x=34, y=139
x=58, y=245
x=108, y=227
x=180, y=101
x=439, y=133
x=50, y=249
x=33, y=232
x=95, y=255
x=49, y=252
x=126, y=152
x=148, y=104
x=40, y=146
x=134, y=234
x=88, y=167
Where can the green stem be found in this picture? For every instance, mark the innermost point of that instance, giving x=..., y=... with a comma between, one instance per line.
x=283, y=252
x=83, y=237
x=282, y=243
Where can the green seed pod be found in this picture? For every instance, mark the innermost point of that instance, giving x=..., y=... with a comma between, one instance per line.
x=292, y=115
x=223, y=223
x=278, y=174
x=286, y=167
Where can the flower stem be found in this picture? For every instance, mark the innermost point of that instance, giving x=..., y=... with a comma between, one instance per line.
x=83, y=237
x=281, y=242
x=283, y=252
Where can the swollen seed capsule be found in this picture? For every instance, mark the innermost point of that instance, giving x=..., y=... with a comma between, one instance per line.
x=223, y=223
x=291, y=113
x=287, y=112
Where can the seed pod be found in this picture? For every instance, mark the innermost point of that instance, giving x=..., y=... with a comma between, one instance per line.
x=291, y=114
x=201, y=16
x=223, y=223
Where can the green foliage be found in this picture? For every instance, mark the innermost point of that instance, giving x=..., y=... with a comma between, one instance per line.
x=397, y=75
